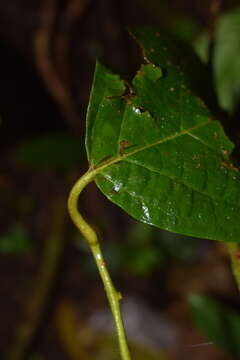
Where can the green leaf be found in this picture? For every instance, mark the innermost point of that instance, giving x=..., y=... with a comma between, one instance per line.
x=201, y=45
x=53, y=151
x=158, y=152
x=184, y=27
x=179, y=247
x=226, y=60
x=16, y=241
x=143, y=260
x=166, y=245
x=220, y=323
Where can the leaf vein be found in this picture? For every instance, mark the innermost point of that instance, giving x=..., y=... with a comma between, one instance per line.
x=172, y=177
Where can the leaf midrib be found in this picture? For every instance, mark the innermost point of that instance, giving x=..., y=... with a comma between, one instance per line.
x=112, y=161
x=172, y=177
x=161, y=209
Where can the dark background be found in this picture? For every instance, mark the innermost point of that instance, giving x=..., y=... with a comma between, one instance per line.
x=48, y=51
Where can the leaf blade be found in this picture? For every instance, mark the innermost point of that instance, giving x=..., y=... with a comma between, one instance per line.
x=109, y=89
x=170, y=164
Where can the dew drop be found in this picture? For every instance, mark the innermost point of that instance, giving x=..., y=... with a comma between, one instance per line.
x=117, y=186
x=146, y=213
x=136, y=110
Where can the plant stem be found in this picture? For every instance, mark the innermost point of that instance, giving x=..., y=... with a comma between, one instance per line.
x=91, y=237
x=234, y=251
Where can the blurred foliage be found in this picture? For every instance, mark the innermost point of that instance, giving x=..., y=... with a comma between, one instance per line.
x=201, y=46
x=107, y=350
x=53, y=151
x=186, y=28
x=145, y=249
x=16, y=240
x=80, y=341
x=166, y=245
x=226, y=60
x=225, y=51
x=36, y=357
x=189, y=30
x=218, y=322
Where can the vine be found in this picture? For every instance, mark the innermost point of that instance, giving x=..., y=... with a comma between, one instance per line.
x=90, y=235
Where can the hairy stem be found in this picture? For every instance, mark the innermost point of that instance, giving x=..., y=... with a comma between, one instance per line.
x=91, y=237
x=234, y=251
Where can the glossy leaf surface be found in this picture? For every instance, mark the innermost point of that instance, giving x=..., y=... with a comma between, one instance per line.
x=160, y=155
x=219, y=323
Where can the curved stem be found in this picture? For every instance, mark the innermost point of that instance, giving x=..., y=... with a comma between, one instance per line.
x=234, y=251
x=91, y=237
